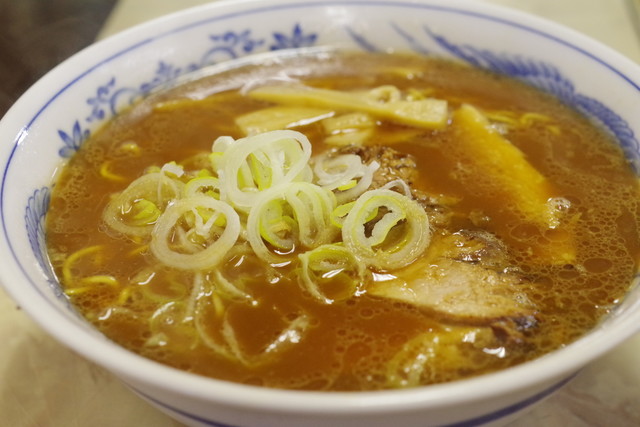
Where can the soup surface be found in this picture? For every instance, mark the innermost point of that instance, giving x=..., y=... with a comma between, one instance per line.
x=449, y=222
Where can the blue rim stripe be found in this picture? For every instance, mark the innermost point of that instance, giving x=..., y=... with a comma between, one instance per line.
x=483, y=419
x=501, y=413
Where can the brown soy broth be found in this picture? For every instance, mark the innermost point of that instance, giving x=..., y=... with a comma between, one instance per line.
x=350, y=343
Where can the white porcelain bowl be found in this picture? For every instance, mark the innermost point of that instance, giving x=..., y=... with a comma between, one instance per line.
x=48, y=124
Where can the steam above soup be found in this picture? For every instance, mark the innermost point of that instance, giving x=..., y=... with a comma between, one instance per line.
x=346, y=222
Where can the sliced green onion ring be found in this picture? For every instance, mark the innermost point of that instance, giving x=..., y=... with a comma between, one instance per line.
x=297, y=213
x=262, y=161
x=331, y=264
x=400, y=234
x=218, y=243
x=155, y=188
x=345, y=173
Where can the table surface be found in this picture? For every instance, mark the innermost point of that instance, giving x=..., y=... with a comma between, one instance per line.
x=45, y=384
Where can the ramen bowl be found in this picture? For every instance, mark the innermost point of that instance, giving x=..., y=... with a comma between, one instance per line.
x=52, y=120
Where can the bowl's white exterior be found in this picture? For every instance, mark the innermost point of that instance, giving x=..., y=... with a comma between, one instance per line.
x=56, y=115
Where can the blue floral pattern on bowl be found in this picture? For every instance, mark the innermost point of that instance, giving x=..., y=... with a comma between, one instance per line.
x=226, y=46
x=34, y=216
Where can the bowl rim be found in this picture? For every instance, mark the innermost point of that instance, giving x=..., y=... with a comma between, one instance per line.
x=554, y=366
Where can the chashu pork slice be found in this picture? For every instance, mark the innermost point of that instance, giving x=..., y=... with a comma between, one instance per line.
x=464, y=278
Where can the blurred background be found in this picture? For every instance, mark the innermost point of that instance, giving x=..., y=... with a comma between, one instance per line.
x=36, y=35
